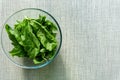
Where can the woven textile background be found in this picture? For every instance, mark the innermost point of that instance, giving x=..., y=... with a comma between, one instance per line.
x=91, y=40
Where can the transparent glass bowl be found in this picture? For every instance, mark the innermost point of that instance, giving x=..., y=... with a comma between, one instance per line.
x=6, y=43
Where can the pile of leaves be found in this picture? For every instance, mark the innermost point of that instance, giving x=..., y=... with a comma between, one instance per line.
x=33, y=38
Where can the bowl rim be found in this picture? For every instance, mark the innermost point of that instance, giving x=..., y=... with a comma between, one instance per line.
x=38, y=66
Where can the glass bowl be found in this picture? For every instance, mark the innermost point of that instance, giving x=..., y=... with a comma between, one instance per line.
x=6, y=43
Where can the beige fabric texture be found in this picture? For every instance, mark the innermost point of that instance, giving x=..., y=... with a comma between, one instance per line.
x=91, y=40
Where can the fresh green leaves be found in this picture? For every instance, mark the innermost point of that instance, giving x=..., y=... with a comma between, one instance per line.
x=33, y=38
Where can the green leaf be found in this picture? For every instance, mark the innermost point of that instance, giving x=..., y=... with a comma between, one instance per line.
x=46, y=42
x=17, y=50
x=10, y=33
x=27, y=38
x=37, y=61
